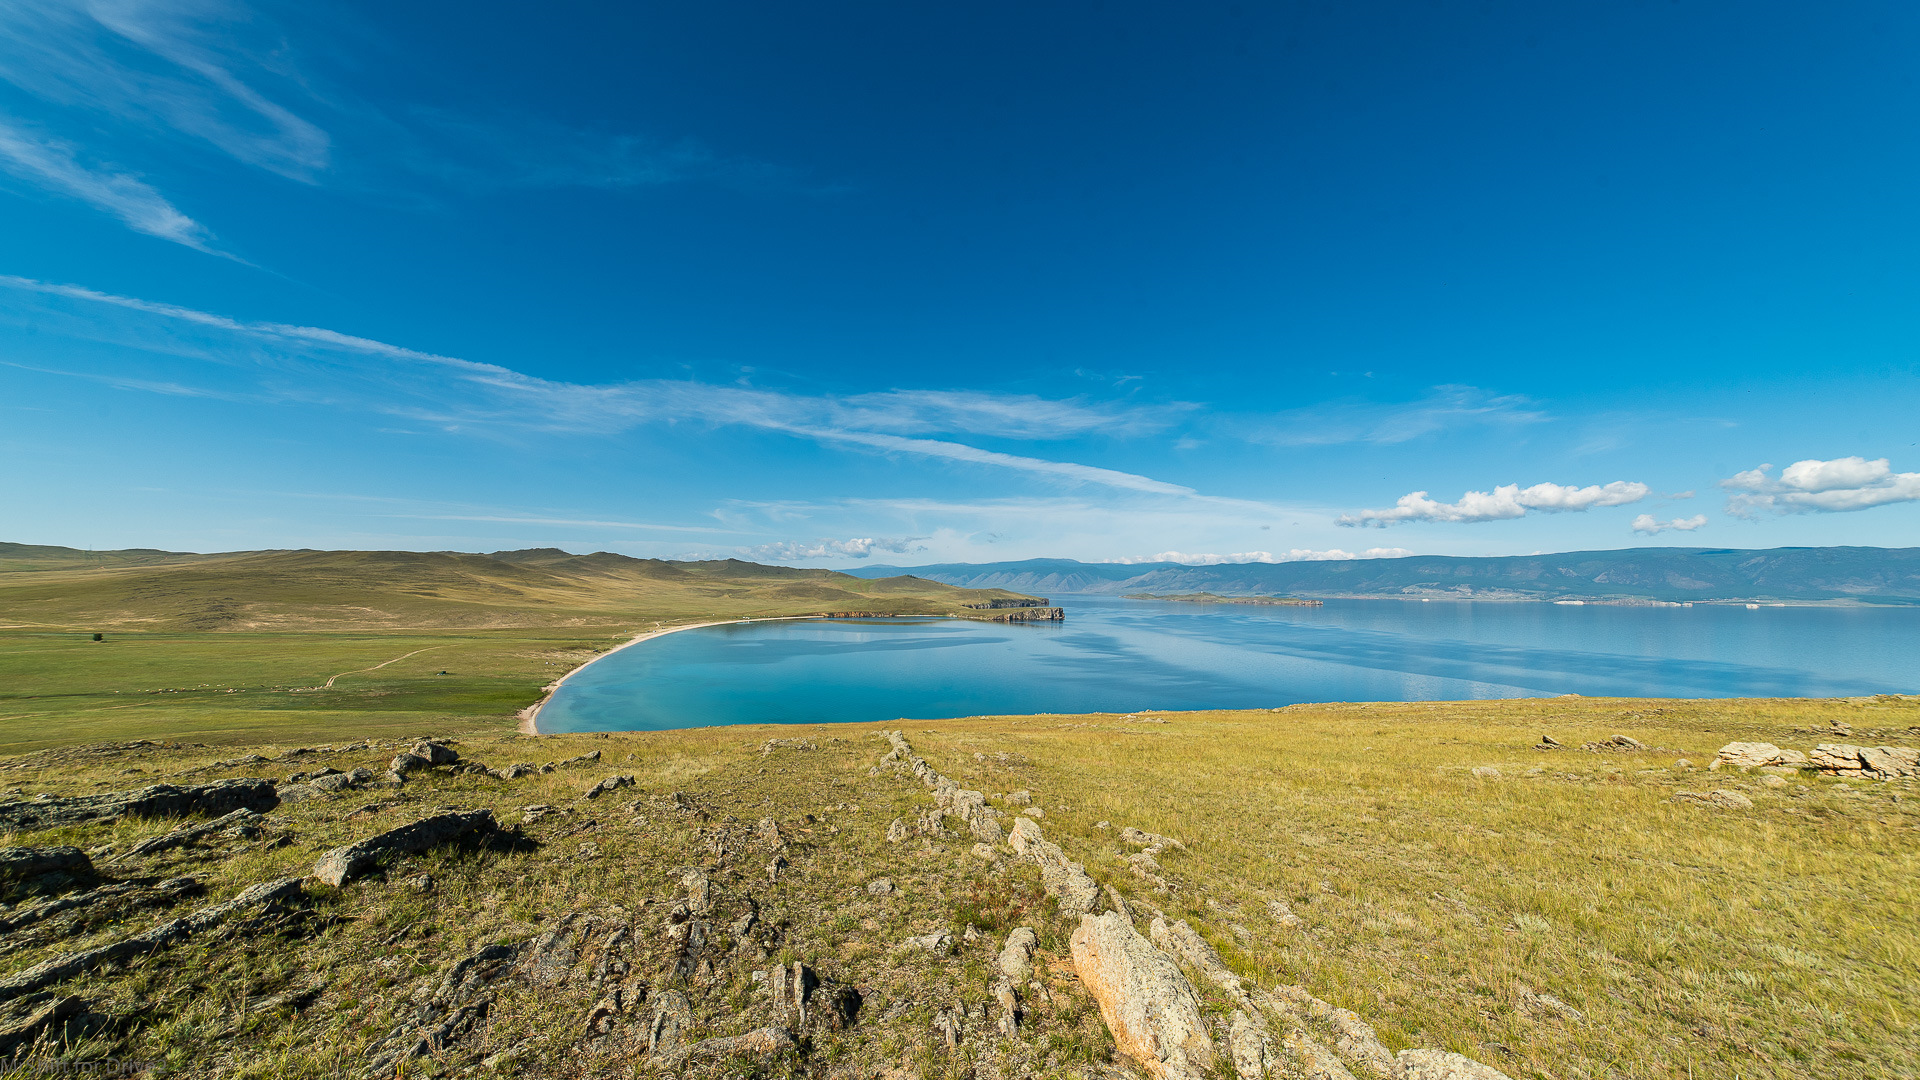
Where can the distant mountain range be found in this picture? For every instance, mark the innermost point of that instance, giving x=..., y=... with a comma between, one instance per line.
x=1797, y=575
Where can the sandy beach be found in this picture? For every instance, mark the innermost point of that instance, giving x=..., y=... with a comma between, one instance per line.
x=530, y=716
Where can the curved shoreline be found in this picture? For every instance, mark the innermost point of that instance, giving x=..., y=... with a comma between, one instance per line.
x=530, y=716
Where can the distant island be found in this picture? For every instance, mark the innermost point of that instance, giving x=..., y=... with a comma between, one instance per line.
x=1215, y=598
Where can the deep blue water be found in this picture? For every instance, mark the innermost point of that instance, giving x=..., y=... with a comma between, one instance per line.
x=1113, y=654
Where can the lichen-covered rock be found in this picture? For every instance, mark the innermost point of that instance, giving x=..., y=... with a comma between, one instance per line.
x=1016, y=957
x=1745, y=755
x=1441, y=1065
x=1246, y=1045
x=1183, y=942
x=1067, y=882
x=1148, y=1005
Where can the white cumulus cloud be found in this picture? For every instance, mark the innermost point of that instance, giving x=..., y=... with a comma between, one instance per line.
x=1295, y=555
x=858, y=547
x=1647, y=523
x=1502, y=503
x=1815, y=486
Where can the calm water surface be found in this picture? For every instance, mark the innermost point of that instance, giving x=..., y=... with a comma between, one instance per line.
x=1123, y=655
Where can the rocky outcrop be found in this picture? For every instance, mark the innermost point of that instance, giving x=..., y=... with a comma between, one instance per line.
x=1180, y=940
x=1009, y=602
x=167, y=934
x=42, y=869
x=610, y=784
x=239, y=825
x=454, y=1008
x=160, y=800
x=46, y=1019
x=121, y=894
x=1027, y=614
x=1866, y=762
x=760, y=1043
x=355, y=860
x=1311, y=1024
x=952, y=799
x=1148, y=1005
x=1067, y=882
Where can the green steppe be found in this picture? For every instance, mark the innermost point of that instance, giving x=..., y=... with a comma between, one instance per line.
x=221, y=648
x=1685, y=941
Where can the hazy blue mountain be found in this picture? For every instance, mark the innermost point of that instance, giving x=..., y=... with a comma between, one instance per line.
x=1876, y=575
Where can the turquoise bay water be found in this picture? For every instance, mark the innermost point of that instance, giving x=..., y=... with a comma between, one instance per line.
x=1113, y=654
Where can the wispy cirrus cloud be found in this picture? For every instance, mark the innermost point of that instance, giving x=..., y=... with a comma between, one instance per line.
x=1502, y=503
x=1444, y=408
x=1814, y=486
x=227, y=77
x=208, y=70
x=56, y=166
x=453, y=393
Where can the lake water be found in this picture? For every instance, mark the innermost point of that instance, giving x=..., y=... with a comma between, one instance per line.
x=1112, y=654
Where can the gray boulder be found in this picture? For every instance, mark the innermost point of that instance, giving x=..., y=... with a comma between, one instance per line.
x=435, y=753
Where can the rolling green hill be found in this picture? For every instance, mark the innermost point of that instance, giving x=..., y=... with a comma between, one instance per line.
x=304, y=645
x=64, y=589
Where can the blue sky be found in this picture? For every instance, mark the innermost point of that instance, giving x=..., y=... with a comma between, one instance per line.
x=838, y=282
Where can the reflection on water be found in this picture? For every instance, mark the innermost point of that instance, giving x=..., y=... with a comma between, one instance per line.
x=1113, y=654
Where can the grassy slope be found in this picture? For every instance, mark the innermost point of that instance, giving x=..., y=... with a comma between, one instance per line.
x=1774, y=942
x=1769, y=943
x=224, y=647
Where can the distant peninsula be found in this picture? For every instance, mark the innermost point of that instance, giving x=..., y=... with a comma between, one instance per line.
x=1215, y=598
x=1803, y=575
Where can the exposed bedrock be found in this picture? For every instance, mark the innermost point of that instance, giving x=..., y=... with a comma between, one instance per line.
x=160, y=800
x=355, y=860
